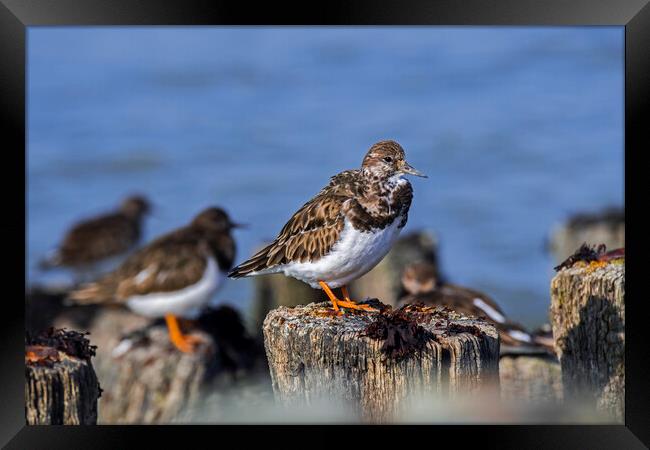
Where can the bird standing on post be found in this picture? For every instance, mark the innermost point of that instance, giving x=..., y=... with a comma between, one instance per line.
x=175, y=275
x=345, y=230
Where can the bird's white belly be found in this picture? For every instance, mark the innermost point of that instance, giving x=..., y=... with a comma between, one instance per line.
x=352, y=256
x=186, y=302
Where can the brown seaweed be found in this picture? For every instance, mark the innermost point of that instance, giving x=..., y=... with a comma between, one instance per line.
x=400, y=332
x=70, y=342
x=584, y=253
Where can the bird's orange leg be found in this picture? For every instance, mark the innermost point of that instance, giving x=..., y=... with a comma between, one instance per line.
x=183, y=342
x=348, y=303
x=331, y=295
x=346, y=294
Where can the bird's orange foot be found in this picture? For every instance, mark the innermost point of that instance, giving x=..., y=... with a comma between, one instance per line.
x=351, y=304
x=335, y=301
x=347, y=303
x=354, y=305
x=184, y=342
x=187, y=344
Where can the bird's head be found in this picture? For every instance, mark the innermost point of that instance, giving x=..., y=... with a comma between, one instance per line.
x=214, y=220
x=386, y=159
x=420, y=278
x=135, y=206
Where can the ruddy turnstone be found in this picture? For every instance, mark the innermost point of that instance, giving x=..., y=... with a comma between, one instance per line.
x=175, y=275
x=96, y=242
x=423, y=286
x=345, y=230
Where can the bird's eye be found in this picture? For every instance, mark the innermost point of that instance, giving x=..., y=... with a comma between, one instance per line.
x=388, y=159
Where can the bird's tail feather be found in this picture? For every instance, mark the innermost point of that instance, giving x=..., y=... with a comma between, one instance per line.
x=252, y=266
x=91, y=293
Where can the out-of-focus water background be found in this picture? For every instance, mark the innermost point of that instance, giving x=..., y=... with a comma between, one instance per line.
x=516, y=128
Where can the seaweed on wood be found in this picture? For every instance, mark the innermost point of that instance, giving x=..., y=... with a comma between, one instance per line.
x=70, y=342
x=401, y=334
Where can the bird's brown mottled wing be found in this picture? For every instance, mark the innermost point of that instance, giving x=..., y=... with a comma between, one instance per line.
x=386, y=210
x=310, y=233
x=453, y=300
x=307, y=236
x=470, y=295
x=167, y=264
x=97, y=239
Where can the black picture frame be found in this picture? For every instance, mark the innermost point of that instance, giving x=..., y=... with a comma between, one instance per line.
x=17, y=15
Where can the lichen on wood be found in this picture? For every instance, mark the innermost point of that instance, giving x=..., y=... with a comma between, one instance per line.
x=375, y=363
x=588, y=318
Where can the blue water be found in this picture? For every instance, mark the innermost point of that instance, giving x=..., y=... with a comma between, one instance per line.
x=516, y=128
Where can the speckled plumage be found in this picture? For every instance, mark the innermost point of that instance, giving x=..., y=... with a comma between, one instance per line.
x=191, y=262
x=99, y=238
x=346, y=228
x=422, y=286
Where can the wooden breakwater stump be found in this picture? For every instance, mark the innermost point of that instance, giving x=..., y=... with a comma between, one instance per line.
x=130, y=349
x=377, y=362
x=151, y=381
x=530, y=377
x=588, y=319
x=384, y=280
x=147, y=380
x=61, y=387
x=606, y=226
x=531, y=373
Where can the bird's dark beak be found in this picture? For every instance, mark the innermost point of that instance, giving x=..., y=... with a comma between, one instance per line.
x=407, y=169
x=238, y=225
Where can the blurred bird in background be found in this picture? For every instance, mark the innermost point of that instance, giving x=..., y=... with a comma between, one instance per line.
x=174, y=276
x=98, y=244
x=423, y=286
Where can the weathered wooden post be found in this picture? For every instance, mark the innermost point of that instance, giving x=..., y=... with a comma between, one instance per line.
x=61, y=387
x=378, y=362
x=530, y=377
x=588, y=319
x=147, y=380
x=150, y=381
